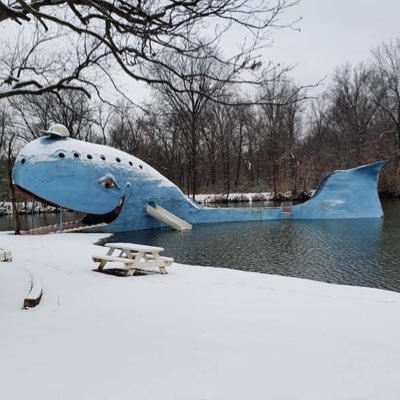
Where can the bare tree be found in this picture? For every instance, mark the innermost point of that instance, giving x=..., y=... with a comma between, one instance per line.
x=386, y=89
x=38, y=61
x=8, y=143
x=243, y=123
x=353, y=110
x=278, y=121
x=72, y=109
x=196, y=88
x=4, y=121
x=223, y=123
x=135, y=35
x=165, y=151
x=126, y=130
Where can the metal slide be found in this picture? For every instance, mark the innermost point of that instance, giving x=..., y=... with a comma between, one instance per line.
x=168, y=218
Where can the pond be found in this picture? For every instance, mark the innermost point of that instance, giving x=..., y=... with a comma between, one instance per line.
x=354, y=252
x=29, y=221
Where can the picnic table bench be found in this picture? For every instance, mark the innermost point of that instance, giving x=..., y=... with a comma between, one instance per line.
x=134, y=256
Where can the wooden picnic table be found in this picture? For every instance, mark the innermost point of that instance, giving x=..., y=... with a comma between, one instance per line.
x=134, y=256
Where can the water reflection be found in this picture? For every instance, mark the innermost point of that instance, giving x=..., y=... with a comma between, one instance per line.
x=355, y=252
x=29, y=221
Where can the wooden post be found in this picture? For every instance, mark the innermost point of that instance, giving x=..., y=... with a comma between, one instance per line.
x=61, y=219
x=32, y=214
x=17, y=223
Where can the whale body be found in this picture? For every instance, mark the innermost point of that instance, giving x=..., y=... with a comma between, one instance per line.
x=112, y=189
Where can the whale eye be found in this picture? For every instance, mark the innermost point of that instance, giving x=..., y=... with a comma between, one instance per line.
x=108, y=183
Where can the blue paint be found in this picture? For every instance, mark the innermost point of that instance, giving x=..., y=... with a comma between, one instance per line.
x=99, y=180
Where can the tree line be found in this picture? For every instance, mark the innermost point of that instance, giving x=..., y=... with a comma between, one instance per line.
x=289, y=142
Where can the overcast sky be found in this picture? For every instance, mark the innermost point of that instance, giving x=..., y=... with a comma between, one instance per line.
x=332, y=33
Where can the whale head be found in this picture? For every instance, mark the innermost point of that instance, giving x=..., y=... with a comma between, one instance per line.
x=79, y=176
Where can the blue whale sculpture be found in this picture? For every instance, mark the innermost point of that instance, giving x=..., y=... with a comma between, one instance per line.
x=115, y=189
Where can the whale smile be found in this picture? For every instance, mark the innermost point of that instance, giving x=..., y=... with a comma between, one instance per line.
x=86, y=220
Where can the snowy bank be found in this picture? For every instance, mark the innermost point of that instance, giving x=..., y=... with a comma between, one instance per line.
x=196, y=333
x=252, y=197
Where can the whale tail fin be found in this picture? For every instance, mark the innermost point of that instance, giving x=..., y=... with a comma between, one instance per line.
x=351, y=193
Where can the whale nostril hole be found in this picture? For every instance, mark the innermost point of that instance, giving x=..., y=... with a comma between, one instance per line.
x=76, y=155
x=89, y=156
x=103, y=157
x=61, y=155
x=117, y=159
x=130, y=163
x=23, y=161
x=140, y=166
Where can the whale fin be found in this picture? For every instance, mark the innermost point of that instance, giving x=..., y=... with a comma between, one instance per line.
x=348, y=193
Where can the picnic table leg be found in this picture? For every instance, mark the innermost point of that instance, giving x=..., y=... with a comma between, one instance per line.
x=104, y=262
x=135, y=263
x=131, y=271
x=161, y=263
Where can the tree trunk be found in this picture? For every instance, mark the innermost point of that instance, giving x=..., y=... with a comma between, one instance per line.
x=227, y=172
x=239, y=159
x=17, y=223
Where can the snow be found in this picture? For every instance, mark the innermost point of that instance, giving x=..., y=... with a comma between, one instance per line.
x=232, y=197
x=196, y=333
x=237, y=197
x=47, y=149
x=25, y=207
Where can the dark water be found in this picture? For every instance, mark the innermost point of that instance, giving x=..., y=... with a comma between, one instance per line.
x=354, y=252
x=29, y=221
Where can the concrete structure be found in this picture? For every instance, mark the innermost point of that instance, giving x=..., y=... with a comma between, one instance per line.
x=115, y=189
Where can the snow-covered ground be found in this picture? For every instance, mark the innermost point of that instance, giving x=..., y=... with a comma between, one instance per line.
x=196, y=333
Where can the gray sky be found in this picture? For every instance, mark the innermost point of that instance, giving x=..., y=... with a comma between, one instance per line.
x=334, y=32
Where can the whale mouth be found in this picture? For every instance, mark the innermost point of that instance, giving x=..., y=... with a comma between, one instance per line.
x=86, y=220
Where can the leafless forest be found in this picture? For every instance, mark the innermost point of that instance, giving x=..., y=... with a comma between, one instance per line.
x=216, y=122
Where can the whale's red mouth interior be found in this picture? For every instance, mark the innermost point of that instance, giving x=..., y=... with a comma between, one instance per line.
x=86, y=220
